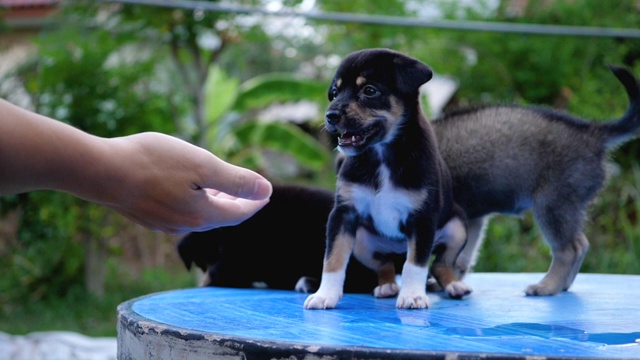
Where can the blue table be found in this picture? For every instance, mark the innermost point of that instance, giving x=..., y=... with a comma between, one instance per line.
x=598, y=318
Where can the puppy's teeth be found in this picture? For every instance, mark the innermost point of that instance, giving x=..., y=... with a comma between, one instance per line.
x=353, y=138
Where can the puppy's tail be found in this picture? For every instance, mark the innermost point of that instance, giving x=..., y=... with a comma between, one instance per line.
x=628, y=127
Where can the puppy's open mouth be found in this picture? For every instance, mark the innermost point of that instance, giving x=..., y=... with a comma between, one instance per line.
x=350, y=138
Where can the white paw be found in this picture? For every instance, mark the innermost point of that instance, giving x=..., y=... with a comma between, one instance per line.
x=411, y=300
x=386, y=290
x=458, y=289
x=541, y=289
x=321, y=301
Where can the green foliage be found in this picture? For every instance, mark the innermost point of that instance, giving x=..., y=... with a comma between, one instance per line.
x=612, y=227
x=100, y=89
x=255, y=137
x=47, y=261
x=346, y=37
x=78, y=311
x=235, y=133
x=534, y=68
x=222, y=92
x=513, y=244
x=270, y=88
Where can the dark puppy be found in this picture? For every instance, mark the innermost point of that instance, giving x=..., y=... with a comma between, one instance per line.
x=281, y=246
x=507, y=159
x=393, y=191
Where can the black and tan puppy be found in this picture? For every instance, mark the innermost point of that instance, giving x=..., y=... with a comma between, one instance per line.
x=393, y=192
x=280, y=247
x=507, y=159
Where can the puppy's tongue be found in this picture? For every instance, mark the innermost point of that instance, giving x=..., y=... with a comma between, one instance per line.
x=346, y=139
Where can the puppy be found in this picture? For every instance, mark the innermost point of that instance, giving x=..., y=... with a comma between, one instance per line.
x=393, y=191
x=280, y=247
x=507, y=159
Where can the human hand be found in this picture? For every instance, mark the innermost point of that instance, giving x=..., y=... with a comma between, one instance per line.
x=167, y=184
x=159, y=181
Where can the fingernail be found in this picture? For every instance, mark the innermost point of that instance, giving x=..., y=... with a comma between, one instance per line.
x=262, y=190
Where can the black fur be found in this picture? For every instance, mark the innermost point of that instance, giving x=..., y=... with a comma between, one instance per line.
x=278, y=246
x=393, y=190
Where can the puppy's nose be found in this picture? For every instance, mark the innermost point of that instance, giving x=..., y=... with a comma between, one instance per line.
x=332, y=117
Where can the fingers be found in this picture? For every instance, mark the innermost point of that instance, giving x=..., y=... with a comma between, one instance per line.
x=236, y=181
x=207, y=211
x=228, y=212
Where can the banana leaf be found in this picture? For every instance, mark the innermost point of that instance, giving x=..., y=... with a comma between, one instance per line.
x=264, y=90
x=284, y=137
x=221, y=93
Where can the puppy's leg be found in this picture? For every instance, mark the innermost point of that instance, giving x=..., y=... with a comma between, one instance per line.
x=387, y=285
x=565, y=265
x=454, y=237
x=307, y=285
x=386, y=271
x=561, y=225
x=467, y=258
x=413, y=292
x=204, y=278
x=380, y=263
x=334, y=269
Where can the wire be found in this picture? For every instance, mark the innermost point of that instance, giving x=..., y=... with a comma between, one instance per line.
x=505, y=27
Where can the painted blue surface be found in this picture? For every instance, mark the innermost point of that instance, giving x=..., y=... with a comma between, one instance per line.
x=598, y=317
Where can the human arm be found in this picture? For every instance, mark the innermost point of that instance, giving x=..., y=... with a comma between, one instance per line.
x=157, y=180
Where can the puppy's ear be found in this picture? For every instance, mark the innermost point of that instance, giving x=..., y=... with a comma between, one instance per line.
x=411, y=74
x=197, y=248
x=185, y=250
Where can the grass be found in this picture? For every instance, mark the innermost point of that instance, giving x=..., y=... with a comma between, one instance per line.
x=87, y=314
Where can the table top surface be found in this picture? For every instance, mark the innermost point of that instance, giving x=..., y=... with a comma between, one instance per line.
x=599, y=317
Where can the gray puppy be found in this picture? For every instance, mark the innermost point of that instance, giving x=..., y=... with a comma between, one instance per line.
x=507, y=159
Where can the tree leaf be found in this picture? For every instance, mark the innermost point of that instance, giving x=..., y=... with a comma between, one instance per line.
x=267, y=89
x=221, y=92
x=284, y=137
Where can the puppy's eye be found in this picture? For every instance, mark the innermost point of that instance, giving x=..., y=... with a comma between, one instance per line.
x=370, y=91
x=333, y=93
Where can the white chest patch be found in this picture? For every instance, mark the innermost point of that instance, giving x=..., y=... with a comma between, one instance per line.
x=389, y=206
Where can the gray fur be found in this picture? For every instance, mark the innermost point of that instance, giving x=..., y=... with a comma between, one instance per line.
x=508, y=159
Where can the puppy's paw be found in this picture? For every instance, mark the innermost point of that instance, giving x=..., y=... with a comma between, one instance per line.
x=412, y=300
x=541, y=289
x=432, y=284
x=457, y=290
x=307, y=285
x=321, y=301
x=386, y=290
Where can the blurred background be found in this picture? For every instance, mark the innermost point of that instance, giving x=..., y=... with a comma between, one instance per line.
x=247, y=79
